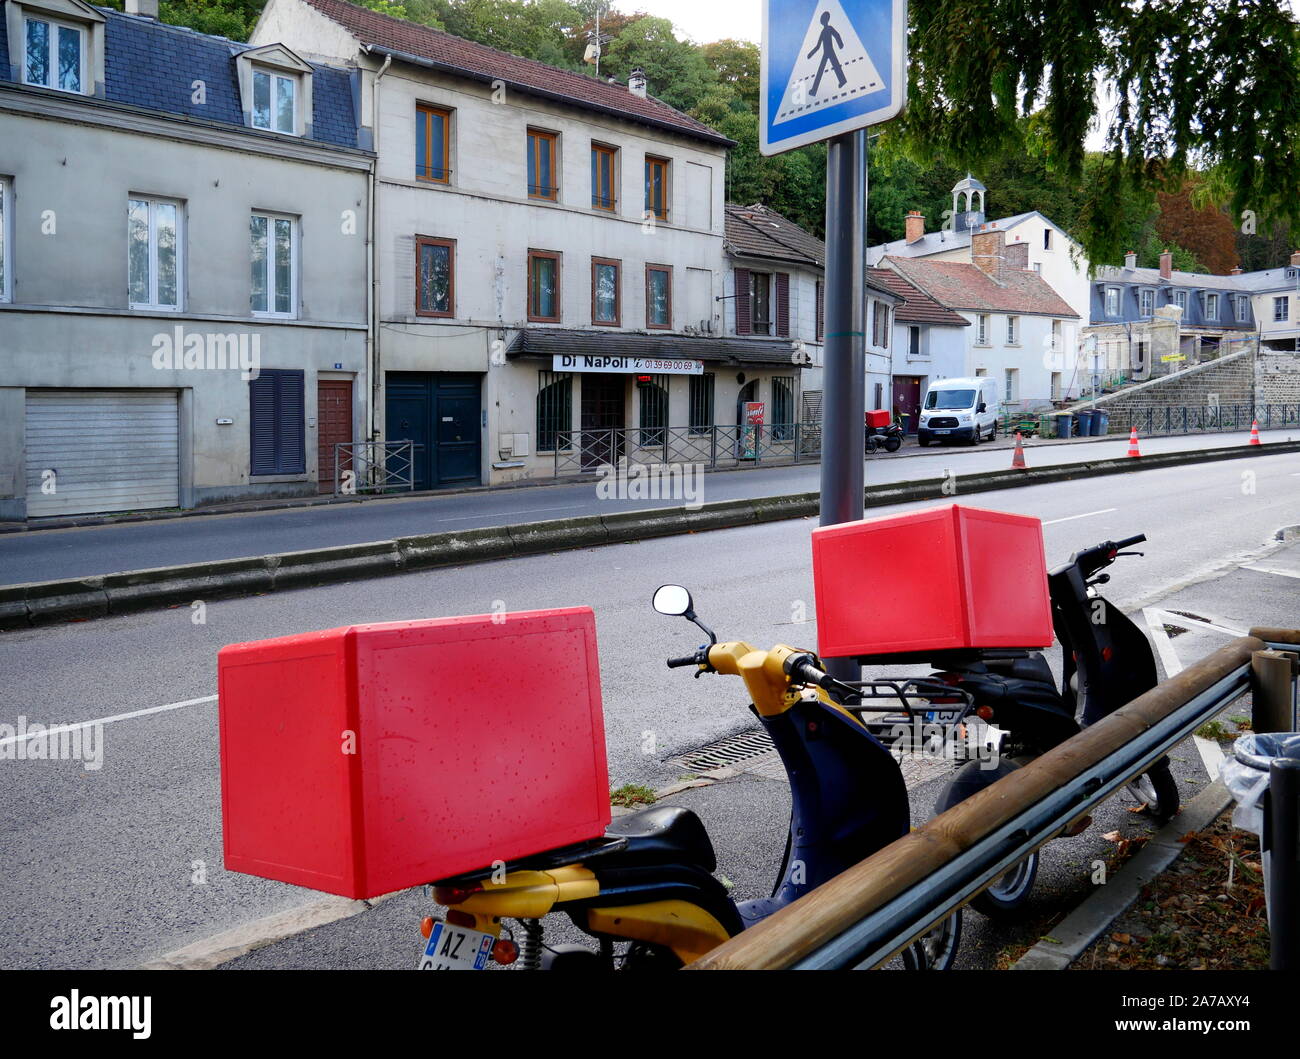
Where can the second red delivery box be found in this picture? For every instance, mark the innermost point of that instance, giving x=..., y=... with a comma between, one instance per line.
x=940, y=579
x=372, y=758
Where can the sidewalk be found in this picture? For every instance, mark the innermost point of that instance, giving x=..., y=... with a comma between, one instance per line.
x=278, y=528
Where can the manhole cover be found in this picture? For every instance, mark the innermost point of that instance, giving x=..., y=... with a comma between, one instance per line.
x=735, y=751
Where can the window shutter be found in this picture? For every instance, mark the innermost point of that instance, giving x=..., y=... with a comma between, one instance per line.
x=783, y=304
x=291, y=449
x=277, y=423
x=821, y=309
x=744, y=317
x=261, y=400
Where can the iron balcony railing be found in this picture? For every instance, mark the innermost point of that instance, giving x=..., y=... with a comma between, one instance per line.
x=374, y=467
x=584, y=451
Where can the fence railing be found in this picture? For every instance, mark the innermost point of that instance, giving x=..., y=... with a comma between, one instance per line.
x=873, y=910
x=580, y=451
x=374, y=467
x=1181, y=419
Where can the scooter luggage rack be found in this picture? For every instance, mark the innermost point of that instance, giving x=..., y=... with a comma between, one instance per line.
x=896, y=690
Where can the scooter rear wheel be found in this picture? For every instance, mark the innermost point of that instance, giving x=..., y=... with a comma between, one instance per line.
x=1007, y=895
x=893, y=445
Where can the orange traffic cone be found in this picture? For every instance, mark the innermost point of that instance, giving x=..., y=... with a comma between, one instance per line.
x=1018, y=459
x=1133, y=442
x=1254, y=432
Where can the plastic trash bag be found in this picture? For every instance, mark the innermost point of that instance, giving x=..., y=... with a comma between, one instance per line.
x=1245, y=773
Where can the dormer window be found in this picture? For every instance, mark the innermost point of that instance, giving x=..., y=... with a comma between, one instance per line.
x=1146, y=301
x=1180, y=299
x=1112, y=301
x=275, y=90
x=275, y=101
x=55, y=55
x=1211, y=306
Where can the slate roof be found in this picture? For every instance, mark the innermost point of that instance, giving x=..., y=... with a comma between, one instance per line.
x=1264, y=280
x=383, y=32
x=917, y=306
x=956, y=285
x=759, y=231
x=546, y=341
x=152, y=65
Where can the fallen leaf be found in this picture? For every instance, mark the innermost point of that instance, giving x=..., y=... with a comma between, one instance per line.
x=1123, y=939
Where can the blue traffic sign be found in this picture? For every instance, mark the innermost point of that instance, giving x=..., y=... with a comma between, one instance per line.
x=829, y=67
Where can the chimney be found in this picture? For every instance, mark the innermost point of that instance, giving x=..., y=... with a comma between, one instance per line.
x=1235, y=270
x=1016, y=257
x=1295, y=258
x=913, y=226
x=143, y=8
x=1166, y=265
x=1130, y=260
x=988, y=251
x=636, y=82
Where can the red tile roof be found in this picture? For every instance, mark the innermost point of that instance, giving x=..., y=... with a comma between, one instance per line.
x=528, y=75
x=957, y=285
x=918, y=307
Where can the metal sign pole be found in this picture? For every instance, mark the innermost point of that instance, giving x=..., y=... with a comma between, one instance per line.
x=844, y=377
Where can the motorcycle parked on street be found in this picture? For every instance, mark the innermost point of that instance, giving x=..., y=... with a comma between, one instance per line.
x=648, y=885
x=881, y=432
x=1107, y=662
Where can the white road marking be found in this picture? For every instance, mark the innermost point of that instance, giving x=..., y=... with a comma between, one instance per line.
x=1086, y=514
x=1210, y=751
x=1260, y=568
x=107, y=720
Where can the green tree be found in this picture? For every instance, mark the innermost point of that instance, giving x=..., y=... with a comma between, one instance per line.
x=676, y=71
x=736, y=62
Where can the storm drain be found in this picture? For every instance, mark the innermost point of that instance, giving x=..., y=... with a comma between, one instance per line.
x=740, y=751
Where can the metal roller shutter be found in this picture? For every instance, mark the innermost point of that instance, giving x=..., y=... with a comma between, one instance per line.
x=110, y=450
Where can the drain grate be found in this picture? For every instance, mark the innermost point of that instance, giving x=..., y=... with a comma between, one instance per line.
x=732, y=752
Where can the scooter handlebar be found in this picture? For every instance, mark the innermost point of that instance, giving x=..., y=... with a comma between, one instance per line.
x=1128, y=542
x=680, y=663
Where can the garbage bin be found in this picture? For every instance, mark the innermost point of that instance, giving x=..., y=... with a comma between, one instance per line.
x=1102, y=423
x=1245, y=774
x=1087, y=419
x=1063, y=425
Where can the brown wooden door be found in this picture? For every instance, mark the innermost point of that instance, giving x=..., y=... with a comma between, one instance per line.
x=333, y=425
x=907, y=400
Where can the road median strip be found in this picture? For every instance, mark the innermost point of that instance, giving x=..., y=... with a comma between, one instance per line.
x=36, y=603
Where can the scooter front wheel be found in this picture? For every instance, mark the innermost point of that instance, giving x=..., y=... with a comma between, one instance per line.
x=936, y=951
x=893, y=444
x=1157, y=790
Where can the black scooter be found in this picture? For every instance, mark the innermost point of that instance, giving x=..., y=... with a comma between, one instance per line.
x=889, y=436
x=1108, y=662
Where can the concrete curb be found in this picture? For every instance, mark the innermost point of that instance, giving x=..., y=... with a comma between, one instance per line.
x=34, y=603
x=1107, y=903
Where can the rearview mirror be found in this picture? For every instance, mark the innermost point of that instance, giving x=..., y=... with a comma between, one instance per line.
x=672, y=600
x=982, y=407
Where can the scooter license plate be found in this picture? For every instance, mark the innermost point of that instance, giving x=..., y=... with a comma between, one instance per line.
x=456, y=949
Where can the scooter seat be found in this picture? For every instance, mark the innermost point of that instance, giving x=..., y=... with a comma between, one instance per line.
x=662, y=832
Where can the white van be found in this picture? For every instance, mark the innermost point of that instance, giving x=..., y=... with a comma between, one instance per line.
x=959, y=409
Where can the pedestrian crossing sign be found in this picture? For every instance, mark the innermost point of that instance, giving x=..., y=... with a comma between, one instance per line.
x=829, y=67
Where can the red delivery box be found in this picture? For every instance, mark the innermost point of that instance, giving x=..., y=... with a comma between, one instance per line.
x=877, y=417
x=943, y=578
x=372, y=758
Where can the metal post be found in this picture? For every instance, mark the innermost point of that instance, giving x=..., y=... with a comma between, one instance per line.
x=1272, y=686
x=844, y=374
x=1283, y=882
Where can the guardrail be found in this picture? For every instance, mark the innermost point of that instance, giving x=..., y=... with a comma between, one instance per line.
x=871, y=912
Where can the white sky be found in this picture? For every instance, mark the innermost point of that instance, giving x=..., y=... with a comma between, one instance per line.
x=709, y=20
x=705, y=20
